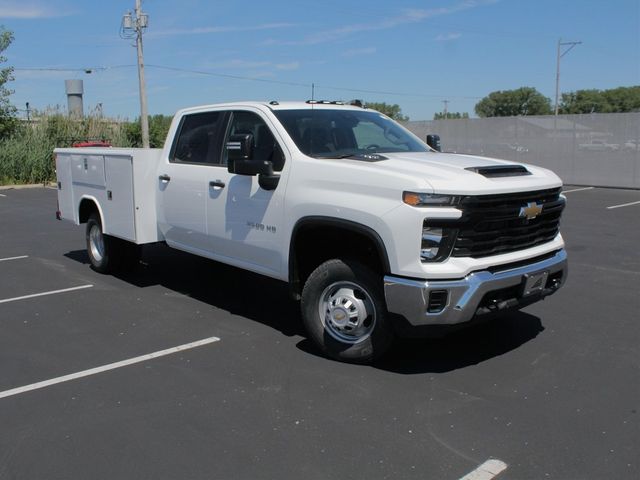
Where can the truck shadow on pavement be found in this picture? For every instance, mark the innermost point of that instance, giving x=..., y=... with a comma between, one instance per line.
x=457, y=350
x=267, y=301
x=463, y=348
x=236, y=291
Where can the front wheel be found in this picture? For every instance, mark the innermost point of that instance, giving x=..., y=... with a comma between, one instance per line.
x=344, y=312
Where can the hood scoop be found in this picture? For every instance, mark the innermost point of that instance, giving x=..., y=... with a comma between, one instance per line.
x=492, y=171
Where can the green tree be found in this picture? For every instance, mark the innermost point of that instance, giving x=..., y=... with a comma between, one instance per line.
x=615, y=100
x=623, y=99
x=511, y=103
x=158, y=128
x=583, y=101
x=449, y=115
x=8, y=122
x=392, y=111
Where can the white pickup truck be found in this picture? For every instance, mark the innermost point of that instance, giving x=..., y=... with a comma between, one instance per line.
x=376, y=233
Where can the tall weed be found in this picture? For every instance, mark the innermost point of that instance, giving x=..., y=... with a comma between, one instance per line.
x=27, y=156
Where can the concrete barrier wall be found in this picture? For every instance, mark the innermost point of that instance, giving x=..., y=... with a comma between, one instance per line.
x=600, y=149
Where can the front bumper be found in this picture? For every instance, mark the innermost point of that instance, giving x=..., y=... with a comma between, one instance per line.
x=476, y=294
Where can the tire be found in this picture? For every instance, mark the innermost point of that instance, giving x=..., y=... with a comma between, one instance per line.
x=344, y=312
x=108, y=254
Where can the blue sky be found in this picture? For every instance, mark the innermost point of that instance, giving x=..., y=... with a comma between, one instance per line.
x=410, y=52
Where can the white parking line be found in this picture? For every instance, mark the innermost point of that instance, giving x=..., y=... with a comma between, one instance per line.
x=105, y=368
x=13, y=258
x=488, y=470
x=2, y=195
x=42, y=294
x=578, y=189
x=623, y=205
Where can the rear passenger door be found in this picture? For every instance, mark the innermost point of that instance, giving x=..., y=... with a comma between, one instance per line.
x=183, y=182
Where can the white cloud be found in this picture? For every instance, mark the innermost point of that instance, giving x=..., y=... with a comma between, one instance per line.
x=288, y=66
x=30, y=10
x=264, y=74
x=236, y=64
x=356, y=52
x=239, y=64
x=447, y=37
x=408, y=16
x=218, y=29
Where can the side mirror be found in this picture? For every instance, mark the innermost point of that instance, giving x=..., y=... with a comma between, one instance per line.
x=253, y=167
x=240, y=161
x=434, y=142
x=264, y=169
x=239, y=148
x=268, y=182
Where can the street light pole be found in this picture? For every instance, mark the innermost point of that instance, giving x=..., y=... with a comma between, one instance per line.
x=558, y=57
x=134, y=26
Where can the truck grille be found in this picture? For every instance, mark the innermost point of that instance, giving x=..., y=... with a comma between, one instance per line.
x=493, y=224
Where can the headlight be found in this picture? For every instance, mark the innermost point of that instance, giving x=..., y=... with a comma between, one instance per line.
x=429, y=199
x=437, y=243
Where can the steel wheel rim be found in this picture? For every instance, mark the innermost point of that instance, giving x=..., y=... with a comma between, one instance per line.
x=96, y=243
x=347, y=312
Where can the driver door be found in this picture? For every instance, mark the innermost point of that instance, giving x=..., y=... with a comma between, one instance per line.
x=245, y=221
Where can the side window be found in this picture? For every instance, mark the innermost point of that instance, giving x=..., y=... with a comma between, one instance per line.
x=265, y=146
x=198, y=139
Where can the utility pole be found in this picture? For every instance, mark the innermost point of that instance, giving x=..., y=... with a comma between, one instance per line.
x=446, y=104
x=134, y=27
x=558, y=57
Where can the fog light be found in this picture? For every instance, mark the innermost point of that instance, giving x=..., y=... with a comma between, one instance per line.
x=437, y=243
x=431, y=241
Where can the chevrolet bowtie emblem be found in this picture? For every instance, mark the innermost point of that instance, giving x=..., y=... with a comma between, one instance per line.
x=531, y=210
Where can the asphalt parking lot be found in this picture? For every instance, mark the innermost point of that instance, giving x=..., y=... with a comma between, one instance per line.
x=188, y=369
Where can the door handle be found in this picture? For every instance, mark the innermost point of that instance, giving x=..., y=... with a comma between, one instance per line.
x=216, y=184
x=164, y=178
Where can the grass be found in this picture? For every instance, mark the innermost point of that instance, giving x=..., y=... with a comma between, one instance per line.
x=27, y=156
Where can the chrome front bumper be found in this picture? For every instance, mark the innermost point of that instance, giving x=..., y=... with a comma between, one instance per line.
x=410, y=298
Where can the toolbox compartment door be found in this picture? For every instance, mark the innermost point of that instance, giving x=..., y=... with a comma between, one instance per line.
x=88, y=171
x=65, y=187
x=119, y=209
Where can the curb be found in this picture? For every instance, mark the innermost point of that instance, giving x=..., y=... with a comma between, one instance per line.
x=32, y=185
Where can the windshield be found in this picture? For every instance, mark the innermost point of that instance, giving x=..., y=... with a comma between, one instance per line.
x=324, y=133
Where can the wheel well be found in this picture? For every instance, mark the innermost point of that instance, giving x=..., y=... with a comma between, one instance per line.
x=87, y=207
x=315, y=242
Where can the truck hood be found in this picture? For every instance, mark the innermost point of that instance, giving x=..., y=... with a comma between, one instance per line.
x=448, y=173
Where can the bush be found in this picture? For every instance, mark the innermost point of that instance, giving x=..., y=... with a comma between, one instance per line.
x=158, y=128
x=27, y=155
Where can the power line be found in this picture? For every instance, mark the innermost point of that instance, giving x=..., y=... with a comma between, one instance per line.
x=299, y=84
x=86, y=70
x=225, y=75
x=254, y=79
